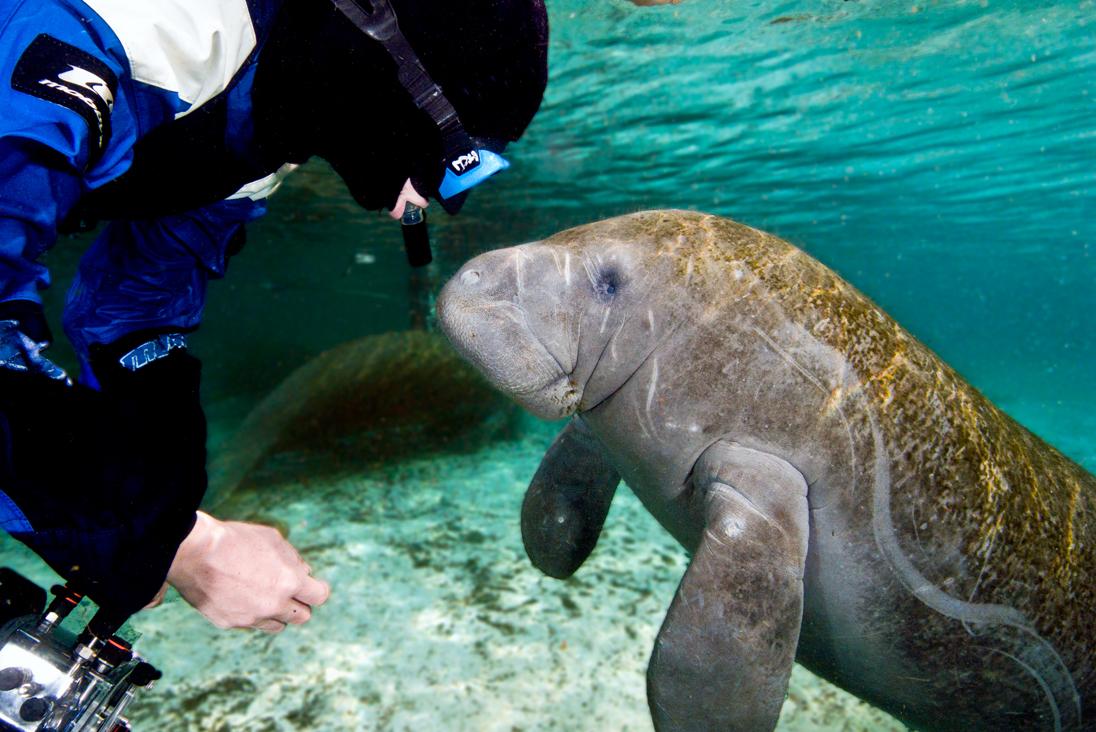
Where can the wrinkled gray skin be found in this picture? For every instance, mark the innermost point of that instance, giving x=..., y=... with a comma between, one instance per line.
x=848, y=501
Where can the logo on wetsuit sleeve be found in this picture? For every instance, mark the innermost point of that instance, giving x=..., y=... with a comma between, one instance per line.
x=63, y=74
x=88, y=80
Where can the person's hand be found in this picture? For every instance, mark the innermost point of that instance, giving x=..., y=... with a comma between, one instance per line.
x=242, y=575
x=407, y=195
x=159, y=599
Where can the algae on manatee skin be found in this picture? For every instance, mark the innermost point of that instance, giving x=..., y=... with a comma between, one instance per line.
x=355, y=407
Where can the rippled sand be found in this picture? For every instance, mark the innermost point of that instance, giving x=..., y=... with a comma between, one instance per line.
x=438, y=621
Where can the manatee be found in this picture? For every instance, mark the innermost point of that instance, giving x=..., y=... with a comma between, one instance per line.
x=376, y=399
x=848, y=500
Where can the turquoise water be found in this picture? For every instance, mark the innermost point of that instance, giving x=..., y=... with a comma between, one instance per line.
x=940, y=156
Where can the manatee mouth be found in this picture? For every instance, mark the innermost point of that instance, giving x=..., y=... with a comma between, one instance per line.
x=563, y=393
x=495, y=337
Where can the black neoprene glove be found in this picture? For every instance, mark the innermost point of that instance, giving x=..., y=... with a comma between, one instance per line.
x=107, y=480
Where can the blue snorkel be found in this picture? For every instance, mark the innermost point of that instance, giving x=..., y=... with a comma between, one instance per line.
x=467, y=162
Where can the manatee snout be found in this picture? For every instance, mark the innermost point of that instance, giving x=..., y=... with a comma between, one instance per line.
x=482, y=313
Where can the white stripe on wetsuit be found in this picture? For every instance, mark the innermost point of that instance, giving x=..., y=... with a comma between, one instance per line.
x=190, y=47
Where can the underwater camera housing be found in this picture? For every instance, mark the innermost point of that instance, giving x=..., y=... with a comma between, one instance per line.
x=52, y=680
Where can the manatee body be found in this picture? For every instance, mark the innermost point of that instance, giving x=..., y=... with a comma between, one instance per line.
x=371, y=400
x=849, y=501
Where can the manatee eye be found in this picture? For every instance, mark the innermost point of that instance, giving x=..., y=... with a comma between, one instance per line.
x=606, y=285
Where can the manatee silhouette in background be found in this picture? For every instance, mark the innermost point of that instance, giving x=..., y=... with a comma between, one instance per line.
x=849, y=501
x=377, y=399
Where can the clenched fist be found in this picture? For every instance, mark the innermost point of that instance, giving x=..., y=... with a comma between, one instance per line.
x=242, y=575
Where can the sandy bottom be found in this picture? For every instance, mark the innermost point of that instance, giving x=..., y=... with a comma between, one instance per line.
x=437, y=621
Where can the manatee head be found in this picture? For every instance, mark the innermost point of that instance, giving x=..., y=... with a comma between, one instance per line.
x=559, y=325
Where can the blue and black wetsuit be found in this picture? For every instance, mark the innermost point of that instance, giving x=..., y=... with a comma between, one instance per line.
x=140, y=113
x=173, y=120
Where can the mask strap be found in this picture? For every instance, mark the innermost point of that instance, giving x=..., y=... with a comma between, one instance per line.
x=381, y=25
x=465, y=165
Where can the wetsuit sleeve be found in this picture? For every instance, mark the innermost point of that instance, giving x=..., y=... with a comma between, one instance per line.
x=35, y=193
x=143, y=283
x=103, y=483
x=150, y=276
x=67, y=125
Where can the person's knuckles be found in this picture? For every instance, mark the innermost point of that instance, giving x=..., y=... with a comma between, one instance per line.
x=271, y=607
x=289, y=583
x=318, y=592
x=289, y=555
x=270, y=534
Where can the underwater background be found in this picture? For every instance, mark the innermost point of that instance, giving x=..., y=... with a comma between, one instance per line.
x=940, y=156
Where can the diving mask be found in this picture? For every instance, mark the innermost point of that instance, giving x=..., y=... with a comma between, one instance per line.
x=466, y=161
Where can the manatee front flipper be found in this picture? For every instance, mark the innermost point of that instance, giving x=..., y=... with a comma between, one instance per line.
x=566, y=503
x=725, y=651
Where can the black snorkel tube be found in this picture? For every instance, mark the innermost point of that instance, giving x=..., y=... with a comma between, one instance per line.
x=416, y=239
x=466, y=162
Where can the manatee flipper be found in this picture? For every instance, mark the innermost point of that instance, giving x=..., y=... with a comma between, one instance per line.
x=567, y=501
x=724, y=654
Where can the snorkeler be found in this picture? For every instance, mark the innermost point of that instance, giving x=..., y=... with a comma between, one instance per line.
x=172, y=122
